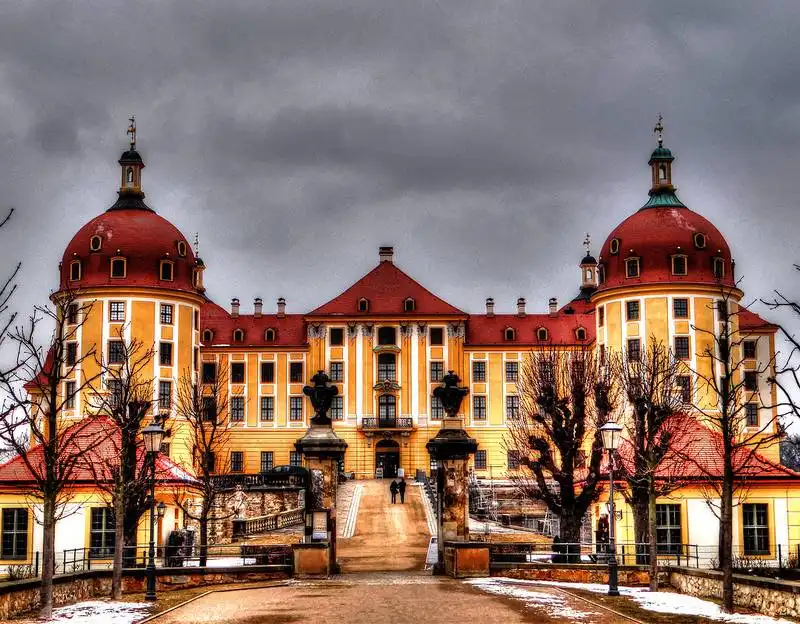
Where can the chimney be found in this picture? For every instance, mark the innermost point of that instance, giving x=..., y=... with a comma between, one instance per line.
x=489, y=306
x=553, y=306
x=258, y=307
x=235, y=307
x=521, y=306
x=281, y=307
x=386, y=254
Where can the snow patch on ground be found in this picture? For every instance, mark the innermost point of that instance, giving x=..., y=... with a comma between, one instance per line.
x=101, y=612
x=661, y=602
x=553, y=604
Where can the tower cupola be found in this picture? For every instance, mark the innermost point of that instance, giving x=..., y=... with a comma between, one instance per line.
x=588, y=267
x=131, y=165
x=662, y=190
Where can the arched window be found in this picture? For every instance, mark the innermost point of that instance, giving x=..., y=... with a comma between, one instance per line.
x=181, y=249
x=700, y=240
x=269, y=335
x=167, y=270
x=509, y=334
x=129, y=176
x=208, y=335
x=409, y=305
x=75, y=271
x=580, y=334
x=238, y=335
x=719, y=268
x=387, y=367
x=679, y=265
x=541, y=334
x=387, y=407
x=363, y=305
x=662, y=173
x=119, y=268
x=95, y=243
x=387, y=336
x=614, y=246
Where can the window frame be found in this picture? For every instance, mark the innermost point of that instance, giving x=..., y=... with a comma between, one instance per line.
x=387, y=336
x=751, y=414
x=336, y=371
x=633, y=262
x=633, y=310
x=164, y=394
x=267, y=461
x=296, y=372
x=542, y=335
x=513, y=457
x=409, y=305
x=117, y=351
x=117, y=261
x=439, y=342
x=116, y=311
x=205, y=369
x=18, y=551
x=238, y=373
x=479, y=377
x=680, y=302
x=238, y=335
x=479, y=412
x=677, y=258
x=509, y=334
x=512, y=406
x=237, y=462
x=667, y=529
x=70, y=392
x=266, y=367
x=161, y=274
x=633, y=355
x=685, y=389
x=480, y=459
x=338, y=342
x=387, y=367
x=266, y=409
x=296, y=412
x=700, y=240
x=165, y=353
x=511, y=371
x=750, y=349
x=166, y=314
x=750, y=381
x=208, y=335
x=99, y=243
x=437, y=409
x=75, y=271
x=601, y=316
x=270, y=334
x=718, y=267
x=436, y=370
x=613, y=246
x=363, y=304
x=236, y=408
x=102, y=539
x=71, y=353
x=296, y=459
x=337, y=408
x=678, y=352
x=761, y=533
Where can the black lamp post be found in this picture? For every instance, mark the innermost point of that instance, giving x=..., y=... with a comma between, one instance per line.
x=611, y=434
x=152, y=435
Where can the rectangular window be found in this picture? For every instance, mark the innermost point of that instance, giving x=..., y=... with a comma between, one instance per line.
x=755, y=528
x=634, y=349
x=116, y=352
x=116, y=311
x=209, y=373
x=680, y=308
x=437, y=409
x=512, y=371
x=114, y=387
x=751, y=381
x=601, y=316
x=209, y=409
x=102, y=533
x=632, y=267
x=295, y=458
x=512, y=406
x=296, y=372
x=166, y=314
x=512, y=459
x=751, y=414
x=237, y=461
x=684, y=384
x=164, y=395
x=165, y=354
x=71, y=357
x=15, y=533
x=387, y=367
x=237, y=372
x=267, y=372
x=267, y=413
x=437, y=336
x=750, y=349
x=337, y=408
x=632, y=310
x=69, y=395
x=337, y=371
x=480, y=459
x=337, y=336
x=237, y=409
x=266, y=461
x=479, y=371
x=682, y=347
x=479, y=407
x=437, y=371
x=72, y=314
x=668, y=529
x=295, y=409
x=679, y=265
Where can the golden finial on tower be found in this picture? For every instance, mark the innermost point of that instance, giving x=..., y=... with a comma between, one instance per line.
x=196, y=244
x=132, y=131
x=659, y=130
x=587, y=242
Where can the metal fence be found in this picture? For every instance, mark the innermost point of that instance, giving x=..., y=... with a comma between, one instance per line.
x=627, y=553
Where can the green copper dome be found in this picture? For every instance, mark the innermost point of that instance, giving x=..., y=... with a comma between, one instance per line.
x=661, y=153
x=664, y=198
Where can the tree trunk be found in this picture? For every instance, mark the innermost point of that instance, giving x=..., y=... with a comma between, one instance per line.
x=570, y=534
x=203, y=539
x=651, y=508
x=130, y=541
x=726, y=544
x=119, y=541
x=48, y=558
x=640, y=504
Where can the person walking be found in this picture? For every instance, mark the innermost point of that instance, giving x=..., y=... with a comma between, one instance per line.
x=393, y=489
x=401, y=487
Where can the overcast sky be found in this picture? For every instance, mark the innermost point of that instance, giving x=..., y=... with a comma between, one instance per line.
x=482, y=139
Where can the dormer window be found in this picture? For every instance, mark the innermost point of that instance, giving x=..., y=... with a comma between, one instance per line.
x=119, y=268
x=632, y=267
x=613, y=248
x=699, y=240
x=95, y=243
x=541, y=334
x=269, y=335
x=719, y=268
x=409, y=305
x=167, y=270
x=580, y=334
x=75, y=271
x=601, y=273
x=363, y=305
x=208, y=335
x=509, y=334
x=238, y=335
x=679, y=265
x=181, y=249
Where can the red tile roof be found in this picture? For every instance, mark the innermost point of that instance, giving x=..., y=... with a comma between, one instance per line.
x=290, y=330
x=386, y=288
x=561, y=327
x=98, y=438
x=750, y=321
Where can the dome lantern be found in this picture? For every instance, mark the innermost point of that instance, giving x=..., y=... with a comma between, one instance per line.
x=588, y=267
x=662, y=191
x=131, y=165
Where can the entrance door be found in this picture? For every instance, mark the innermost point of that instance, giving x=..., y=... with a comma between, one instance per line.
x=387, y=459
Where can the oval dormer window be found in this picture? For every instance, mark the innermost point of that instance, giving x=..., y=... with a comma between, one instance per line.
x=700, y=240
x=269, y=335
x=181, y=249
x=614, y=246
x=95, y=243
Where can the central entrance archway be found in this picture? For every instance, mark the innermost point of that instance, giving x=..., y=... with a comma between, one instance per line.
x=387, y=459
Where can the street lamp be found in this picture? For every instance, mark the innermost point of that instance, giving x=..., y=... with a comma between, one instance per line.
x=152, y=435
x=610, y=433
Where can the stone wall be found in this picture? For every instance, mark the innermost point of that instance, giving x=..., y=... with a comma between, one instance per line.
x=577, y=573
x=766, y=596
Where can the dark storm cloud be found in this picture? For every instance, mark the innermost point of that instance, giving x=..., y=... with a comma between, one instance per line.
x=482, y=139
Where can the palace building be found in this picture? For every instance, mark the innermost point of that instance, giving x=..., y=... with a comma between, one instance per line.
x=386, y=341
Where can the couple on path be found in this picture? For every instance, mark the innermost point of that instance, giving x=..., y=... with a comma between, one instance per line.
x=398, y=486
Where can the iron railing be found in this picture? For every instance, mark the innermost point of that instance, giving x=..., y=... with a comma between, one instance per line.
x=505, y=555
x=261, y=481
x=387, y=423
x=261, y=524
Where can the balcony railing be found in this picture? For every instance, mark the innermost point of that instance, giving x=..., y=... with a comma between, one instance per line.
x=401, y=422
x=243, y=527
x=261, y=481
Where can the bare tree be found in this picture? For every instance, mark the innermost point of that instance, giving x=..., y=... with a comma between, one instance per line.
x=724, y=392
x=39, y=387
x=658, y=389
x=7, y=290
x=204, y=409
x=565, y=395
